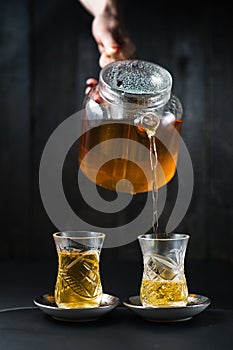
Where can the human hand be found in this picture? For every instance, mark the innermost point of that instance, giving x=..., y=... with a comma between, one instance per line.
x=110, y=35
x=91, y=83
x=112, y=39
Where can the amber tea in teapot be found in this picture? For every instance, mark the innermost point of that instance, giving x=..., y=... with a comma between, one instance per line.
x=132, y=92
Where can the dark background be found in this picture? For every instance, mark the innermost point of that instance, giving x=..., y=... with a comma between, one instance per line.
x=46, y=54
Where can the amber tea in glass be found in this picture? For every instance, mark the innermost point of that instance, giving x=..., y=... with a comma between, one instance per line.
x=163, y=281
x=78, y=282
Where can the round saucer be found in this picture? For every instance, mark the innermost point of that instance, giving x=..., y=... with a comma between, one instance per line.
x=46, y=303
x=196, y=304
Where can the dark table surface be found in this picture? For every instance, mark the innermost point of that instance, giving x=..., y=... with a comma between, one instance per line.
x=31, y=329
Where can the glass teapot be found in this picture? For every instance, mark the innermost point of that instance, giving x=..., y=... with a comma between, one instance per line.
x=129, y=119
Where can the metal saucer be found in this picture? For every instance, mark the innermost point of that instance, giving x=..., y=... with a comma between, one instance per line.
x=196, y=304
x=46, y=304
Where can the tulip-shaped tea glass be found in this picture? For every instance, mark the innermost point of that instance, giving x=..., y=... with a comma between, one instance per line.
x=78, y=280
x=163, y=282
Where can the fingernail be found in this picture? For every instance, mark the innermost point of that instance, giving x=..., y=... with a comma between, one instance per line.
x=116, y=47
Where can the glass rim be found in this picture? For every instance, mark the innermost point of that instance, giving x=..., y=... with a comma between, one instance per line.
x=75, y=234
x=179, y=236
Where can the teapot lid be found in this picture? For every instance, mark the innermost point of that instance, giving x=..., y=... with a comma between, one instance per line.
x=137, y=82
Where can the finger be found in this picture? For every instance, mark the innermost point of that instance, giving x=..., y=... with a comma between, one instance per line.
x=113, y=50
x=97, y=98
x=87, y=90
x=104, y=60
x=101, y=48
x=110, y=43
x=107, y=58
x=91, y=82
x=94, y=94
